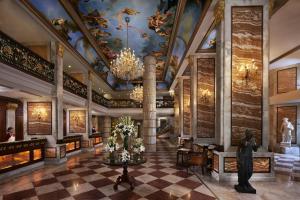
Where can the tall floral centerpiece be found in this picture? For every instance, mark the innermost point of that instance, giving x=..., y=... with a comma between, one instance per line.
x=112, y=146
x=138, y=148
x=125, y=128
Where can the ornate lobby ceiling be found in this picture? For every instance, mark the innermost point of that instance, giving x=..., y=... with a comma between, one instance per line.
x=96, y=30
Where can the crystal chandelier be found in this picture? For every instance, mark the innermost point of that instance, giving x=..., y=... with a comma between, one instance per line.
x=127, y=66
x=137, y=94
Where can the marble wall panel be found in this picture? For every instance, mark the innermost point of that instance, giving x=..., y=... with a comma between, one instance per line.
x=286, y=80
x=216, y=163
x=247, y=30
x=291, y=113
x=205, y=98
x=187, y=107
x=260, y=165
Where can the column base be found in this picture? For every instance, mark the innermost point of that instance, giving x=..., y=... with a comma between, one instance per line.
x=150, y=147
x=225, y=168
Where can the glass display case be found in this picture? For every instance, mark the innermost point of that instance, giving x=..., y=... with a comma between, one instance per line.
x=14, y=155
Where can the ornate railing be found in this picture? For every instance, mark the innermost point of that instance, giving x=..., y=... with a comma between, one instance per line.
x=98, y=99
x=163, y=103
x=74, y=86
x=124, y=103
x=16, y=55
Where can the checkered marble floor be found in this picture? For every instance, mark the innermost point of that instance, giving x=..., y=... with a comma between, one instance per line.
x=85, y=177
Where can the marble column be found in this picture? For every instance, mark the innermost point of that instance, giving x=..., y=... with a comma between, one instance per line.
x=107, y=128
x=89, y=102
x=193, y=66
x=149, y=103
x=180, y=82
x=220, y=84
x=59, y=91
x=11, y=115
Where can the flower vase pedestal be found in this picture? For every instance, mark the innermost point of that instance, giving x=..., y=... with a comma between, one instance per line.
x=125, y=178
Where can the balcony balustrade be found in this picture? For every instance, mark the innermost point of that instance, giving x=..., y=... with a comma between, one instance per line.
x=16, y=55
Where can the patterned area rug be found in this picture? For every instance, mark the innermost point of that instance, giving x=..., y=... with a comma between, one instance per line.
x=85, y=177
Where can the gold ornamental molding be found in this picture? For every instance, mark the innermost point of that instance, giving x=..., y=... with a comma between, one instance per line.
x=11, y=106
x=191, y=60
x=219, y=11
x=271, y=6
x=60, y=49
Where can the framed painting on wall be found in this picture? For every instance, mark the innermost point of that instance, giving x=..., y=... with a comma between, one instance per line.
x=39, y=115
x=77, y=121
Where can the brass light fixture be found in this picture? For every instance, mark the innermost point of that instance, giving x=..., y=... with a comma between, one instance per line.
x=137, y=94
x=127, y=66
x=205, y=95
x=247, y=71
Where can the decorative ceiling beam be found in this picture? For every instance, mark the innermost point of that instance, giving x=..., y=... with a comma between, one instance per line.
x=179, y=12
x=202, y=27
x=74, y=15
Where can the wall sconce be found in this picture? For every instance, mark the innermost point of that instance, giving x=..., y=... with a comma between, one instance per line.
x=40, y=113
x=205, y=95
x=247, y=71
x=172, y=93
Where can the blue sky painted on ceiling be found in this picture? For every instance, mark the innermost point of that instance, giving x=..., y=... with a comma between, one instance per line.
x=187, y=24
x=209, y=41
x=149, y=31
x=150, y=26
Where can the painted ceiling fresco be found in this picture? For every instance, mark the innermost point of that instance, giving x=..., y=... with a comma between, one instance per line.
x=187, y=24
x=150, y=28
x=209, y=41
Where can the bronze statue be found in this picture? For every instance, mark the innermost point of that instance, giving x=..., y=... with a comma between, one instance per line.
x=245, y=163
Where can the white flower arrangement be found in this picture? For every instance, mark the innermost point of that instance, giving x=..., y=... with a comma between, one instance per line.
x=138, y=146
x=112, y=144
x=125, y=156
x=124, y=127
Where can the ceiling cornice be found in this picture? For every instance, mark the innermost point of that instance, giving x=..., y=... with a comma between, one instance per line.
x=179, y=12
x=74, y=15
x=203, y=25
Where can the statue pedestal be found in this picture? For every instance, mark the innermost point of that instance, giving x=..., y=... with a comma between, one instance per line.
x=225, y=166
x=290, y=150
x=285, y=144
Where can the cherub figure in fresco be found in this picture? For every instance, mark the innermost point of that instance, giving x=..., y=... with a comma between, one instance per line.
x=120, y=16
x=121, y=23
x=96, y=19
x=97, y=33
x=64, y=27
x=156, y=22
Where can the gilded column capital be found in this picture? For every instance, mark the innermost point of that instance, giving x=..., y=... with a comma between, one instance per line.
x=219, y=11
x=271, y=6
x=90, y=75
x=59, y=49
x=11, y=106
x=191, y=60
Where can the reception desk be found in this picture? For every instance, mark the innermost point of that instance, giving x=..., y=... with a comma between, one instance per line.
x=96, y=138
x=14, y=155
x=73, y=143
